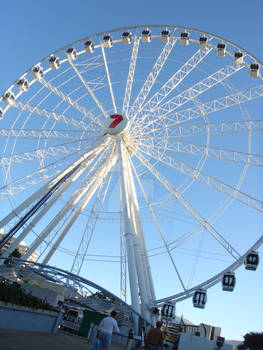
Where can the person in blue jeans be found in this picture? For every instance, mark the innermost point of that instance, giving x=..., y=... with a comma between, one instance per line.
x=105, y=329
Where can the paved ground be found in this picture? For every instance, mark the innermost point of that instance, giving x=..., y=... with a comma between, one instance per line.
x=26, y=340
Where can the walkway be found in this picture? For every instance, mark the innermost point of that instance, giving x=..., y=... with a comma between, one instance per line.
x=27, y=340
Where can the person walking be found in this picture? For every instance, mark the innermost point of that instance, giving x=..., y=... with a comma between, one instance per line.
x=105, y=329
x=154, y=338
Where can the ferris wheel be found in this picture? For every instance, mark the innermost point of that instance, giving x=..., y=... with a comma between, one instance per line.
x=137, y=152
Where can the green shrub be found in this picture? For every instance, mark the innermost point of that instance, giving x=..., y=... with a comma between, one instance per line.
x=14, y=294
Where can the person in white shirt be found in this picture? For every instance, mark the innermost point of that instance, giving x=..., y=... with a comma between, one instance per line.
x=106, y=327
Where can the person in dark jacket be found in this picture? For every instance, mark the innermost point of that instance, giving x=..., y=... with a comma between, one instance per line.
x=154, y=338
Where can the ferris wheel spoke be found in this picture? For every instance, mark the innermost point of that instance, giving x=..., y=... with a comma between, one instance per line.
x=50, y=170
x=189, y=235
x=75, y=104
x=92, y=220
x=85, y=83
x=97, y=180
x=172, y=83
x=206, y=179
x=48, y=243
x=89, y=66
x=49, y=134
x=43, y=210
x=184, y=238
x=215, y=105
x=37, y=218
x=167, y=108
x=90, y=186
x=89, y=155
x=41, y=134
x=222, y=128
x=109, y=80
x=150, y=80
x=55, y=221
x=210, y=152
x=91, y=63
x=42, y=112
x=189, y=207
x=31, y=179
x=168, y=251
x=97, y=84
x=197, y=89
x=209, y=107
x=129, y=83
x=41, y=153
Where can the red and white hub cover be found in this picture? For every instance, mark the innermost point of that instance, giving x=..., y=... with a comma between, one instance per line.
x=115, y=124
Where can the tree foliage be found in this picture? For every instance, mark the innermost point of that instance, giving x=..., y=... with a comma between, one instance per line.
x=252, y=341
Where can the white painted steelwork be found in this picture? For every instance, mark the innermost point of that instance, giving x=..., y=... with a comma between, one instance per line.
x=133, y=126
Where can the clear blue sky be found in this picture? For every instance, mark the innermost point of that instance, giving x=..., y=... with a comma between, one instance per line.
x=31, y=30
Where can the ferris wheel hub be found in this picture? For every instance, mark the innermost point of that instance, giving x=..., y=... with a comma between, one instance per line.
x=130, y=142
x=115, y=124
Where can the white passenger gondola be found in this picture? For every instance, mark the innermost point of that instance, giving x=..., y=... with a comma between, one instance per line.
x=165, y=35
x=203, y=42
x=54, y=62
x=126, y=37
x=9, y=98
x=199, y=298
x=71, y=53
x=252, y=261
x=238, y=58
x=22, y=84
x=221, y=49
x=107, y=41
x=89, y=46
x=168, y=311
x=146, y=36
x=38, y=72
x=1, y=113
x=254, y=70
x=184, y=38
x=228, y=281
